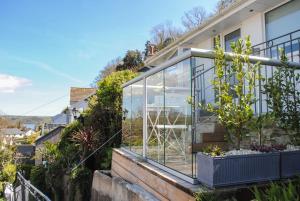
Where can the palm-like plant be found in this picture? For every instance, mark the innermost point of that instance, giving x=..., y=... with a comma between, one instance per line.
x=85, y=138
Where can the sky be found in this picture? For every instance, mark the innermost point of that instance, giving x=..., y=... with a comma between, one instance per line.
x=48, y=46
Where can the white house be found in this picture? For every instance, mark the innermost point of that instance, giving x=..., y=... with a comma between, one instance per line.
x=78, y=103
x=263, y=20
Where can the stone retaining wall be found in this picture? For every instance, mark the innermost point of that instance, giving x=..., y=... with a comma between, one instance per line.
x=108, y=188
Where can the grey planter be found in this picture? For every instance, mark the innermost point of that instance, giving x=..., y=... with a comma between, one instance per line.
x=239, y=169
x=290, y=163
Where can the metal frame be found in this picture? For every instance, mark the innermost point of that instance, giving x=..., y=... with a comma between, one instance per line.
x=164, y=168
x=210, y=54
x=200, y=53
x=36, y=193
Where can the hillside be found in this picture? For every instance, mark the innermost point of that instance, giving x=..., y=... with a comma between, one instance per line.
x=37, y=120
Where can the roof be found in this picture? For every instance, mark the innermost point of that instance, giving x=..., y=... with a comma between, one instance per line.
x=235, y=13
x=79, y=94
x=26, y=149
x=11, y=131
x=49, y=135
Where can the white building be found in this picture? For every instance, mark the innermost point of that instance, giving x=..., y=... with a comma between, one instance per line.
x=78, y=103
x=263, y=20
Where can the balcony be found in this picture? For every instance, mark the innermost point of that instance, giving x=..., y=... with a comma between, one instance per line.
x=289, y=42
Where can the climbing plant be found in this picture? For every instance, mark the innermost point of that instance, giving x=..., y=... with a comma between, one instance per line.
x=234, y=83
x=282, y=90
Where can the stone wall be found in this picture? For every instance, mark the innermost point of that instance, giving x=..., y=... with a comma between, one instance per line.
x=108, y=188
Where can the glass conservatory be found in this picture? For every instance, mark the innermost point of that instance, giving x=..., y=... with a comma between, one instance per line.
x=162, y=120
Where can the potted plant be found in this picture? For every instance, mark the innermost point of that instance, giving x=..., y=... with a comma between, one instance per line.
x=234, y=112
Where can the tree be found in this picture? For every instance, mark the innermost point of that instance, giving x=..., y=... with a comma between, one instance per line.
x=7, y=167
x=193, y=18
x=163, y=34
x=222, y=4
x=86, y=139
x=234, y=104
x=31, y=138
x=132, y=61
x=105, y=113
x=109, y=68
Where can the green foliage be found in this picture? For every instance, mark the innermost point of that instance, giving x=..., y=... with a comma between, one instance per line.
x=67, y=133
x=37, y=177
x=25, y=169
x=258, y=123
x=105, y=163
x=7, y=167
x=50, y=152
x=132, y=61
x=107, y=107
x=234, y=104
x=109, y=93
x=9, y=172
x=284, y=98
x=213, y=150
x=278, y=192
x=201, y=196
x=81, y=179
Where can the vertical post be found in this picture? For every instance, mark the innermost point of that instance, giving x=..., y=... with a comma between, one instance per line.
x=144, y=117
x=23, y=191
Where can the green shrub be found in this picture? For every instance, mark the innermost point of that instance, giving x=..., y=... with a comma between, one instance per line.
x=81, y=180
x=278, y=192
x=25, y=169
x=37, y=177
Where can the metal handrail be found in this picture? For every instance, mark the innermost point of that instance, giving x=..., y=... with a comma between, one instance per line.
x=31, y=188
x=96, y=150
x=273, y=39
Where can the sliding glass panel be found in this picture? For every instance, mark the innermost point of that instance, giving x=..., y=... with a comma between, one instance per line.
x=155, y=117
x=137, y=117
x=126, y=123
x=178, y=142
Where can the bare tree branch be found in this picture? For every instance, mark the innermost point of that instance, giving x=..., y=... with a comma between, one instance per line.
x=193, y=18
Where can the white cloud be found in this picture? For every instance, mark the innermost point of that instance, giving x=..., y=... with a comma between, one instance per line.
x=9, y=83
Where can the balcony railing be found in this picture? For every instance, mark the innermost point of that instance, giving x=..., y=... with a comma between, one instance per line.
x=289, y=42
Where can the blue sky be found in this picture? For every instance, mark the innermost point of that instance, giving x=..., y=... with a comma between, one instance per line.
x=48, y=46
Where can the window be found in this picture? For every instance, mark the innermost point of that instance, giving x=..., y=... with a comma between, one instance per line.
x=283, y=20
x=231, y=37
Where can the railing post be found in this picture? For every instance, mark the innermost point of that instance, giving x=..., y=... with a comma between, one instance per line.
x=23, y=191
x=144, y=118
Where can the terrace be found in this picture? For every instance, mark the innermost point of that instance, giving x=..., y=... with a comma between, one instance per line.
x=162, y=120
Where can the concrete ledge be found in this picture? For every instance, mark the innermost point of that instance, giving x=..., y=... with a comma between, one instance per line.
x=108, y=188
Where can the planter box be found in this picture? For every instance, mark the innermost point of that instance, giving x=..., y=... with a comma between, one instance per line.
x=290, y=163
x=238, y=169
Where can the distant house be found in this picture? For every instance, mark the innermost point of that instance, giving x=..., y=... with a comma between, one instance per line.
x=78, y=103
x=52, y=137
x=9, y=135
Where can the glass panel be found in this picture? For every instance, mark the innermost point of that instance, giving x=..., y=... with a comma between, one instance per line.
x=137, y=117
x=178, y=142
x=126, y=123
x=155, y=117
x=231, y=37
x=281, y=20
